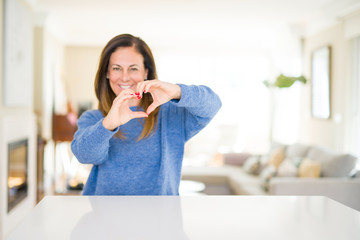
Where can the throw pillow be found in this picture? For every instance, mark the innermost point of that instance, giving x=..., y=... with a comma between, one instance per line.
x=235, y=158
x=355, y=173
x=276, y=157
x=264, y=159
x=217, y=160
x=309, y=169
x=332, y=164
x=252, y=165
x=265, y=176
x=287, y=169
x=296, y=161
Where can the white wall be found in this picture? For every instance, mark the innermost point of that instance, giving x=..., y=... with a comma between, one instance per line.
x=17, y=55
x=79, y=73
x=52, y=80
x=331, y=132
x=1, y=98
x=17, y=120
x=48, y=83
x=352, y=34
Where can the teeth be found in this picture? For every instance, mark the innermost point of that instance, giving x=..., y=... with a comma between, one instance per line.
x=125, y=87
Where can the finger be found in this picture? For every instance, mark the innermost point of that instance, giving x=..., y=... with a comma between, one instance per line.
x=152, y=84
x=151, y=108
x=137, y=93
x=123, y=94
x=121, y=99
x=145, y=86
x=140, y=87
x=139, y=114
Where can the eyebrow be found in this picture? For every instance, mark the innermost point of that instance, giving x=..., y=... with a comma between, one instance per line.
x=132, y=65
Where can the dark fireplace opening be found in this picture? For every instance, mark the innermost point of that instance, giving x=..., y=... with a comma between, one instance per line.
x=17, y=172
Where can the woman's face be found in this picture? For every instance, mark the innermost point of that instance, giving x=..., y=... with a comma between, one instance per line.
x=126, y=69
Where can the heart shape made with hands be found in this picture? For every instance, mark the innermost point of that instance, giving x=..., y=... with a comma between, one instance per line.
x=149, y=109
x=157, y=101
x=120, y=112
x=161, y=92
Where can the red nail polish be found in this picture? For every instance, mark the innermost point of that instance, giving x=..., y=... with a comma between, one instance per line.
x=137, y=93
x=144, y=91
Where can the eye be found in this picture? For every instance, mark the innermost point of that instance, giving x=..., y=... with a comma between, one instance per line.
x=116, y=68
x=134, y=69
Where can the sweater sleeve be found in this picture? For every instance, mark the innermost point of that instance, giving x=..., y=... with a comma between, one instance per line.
x=201, y=104
x=91, y=140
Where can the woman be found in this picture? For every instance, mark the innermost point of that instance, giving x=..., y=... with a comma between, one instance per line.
x=135, y=140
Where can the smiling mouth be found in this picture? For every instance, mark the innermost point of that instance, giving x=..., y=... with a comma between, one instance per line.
x=125, y=86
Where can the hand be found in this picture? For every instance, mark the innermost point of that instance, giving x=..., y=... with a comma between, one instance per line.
x=120, y=113
x=161, y=92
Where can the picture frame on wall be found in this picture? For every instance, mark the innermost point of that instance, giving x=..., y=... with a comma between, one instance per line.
x=17, y=55
x=320, y=83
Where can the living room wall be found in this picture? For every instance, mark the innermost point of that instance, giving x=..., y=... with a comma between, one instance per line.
x=327, y=132
x=17, y=120
x=1, y=54
x=80, y=68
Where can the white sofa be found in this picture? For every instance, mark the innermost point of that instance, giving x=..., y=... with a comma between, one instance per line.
x=334, y=180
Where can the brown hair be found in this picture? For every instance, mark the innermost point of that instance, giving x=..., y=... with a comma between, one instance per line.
x=103, y=90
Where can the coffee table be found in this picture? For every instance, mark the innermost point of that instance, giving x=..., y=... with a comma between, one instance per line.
x=189, y=218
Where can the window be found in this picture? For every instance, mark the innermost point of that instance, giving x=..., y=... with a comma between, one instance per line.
x=354, y=129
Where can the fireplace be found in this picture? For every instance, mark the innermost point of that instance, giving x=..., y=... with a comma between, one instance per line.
x=17, y=172
x=17, y=168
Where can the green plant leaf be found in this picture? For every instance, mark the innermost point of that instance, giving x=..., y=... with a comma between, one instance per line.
x=267, y=83
x=283, y=81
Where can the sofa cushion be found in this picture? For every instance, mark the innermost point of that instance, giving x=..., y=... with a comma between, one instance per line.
x=309, y=169
x=355, y=173
x=277, y=145
x=297, y=150
x=266, y=175
x=332, y=164
x=276, y=157
x=235, y=158
x=252, y=165
x=287, y=168
x=251, y=189
x=243, y=183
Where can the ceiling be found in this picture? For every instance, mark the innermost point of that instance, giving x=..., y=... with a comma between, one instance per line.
x=195, y=23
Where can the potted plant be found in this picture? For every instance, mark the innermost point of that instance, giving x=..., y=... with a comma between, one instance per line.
x=281, y=81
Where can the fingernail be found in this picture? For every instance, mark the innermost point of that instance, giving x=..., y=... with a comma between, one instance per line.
x=137, y=93
x=144, y=91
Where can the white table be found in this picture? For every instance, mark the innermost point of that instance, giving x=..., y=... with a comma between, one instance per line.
x=189, y=218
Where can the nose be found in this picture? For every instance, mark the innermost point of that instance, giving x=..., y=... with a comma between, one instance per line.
x=126, y=76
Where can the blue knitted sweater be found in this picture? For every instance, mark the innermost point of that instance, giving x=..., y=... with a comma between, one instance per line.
x=151, y=166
